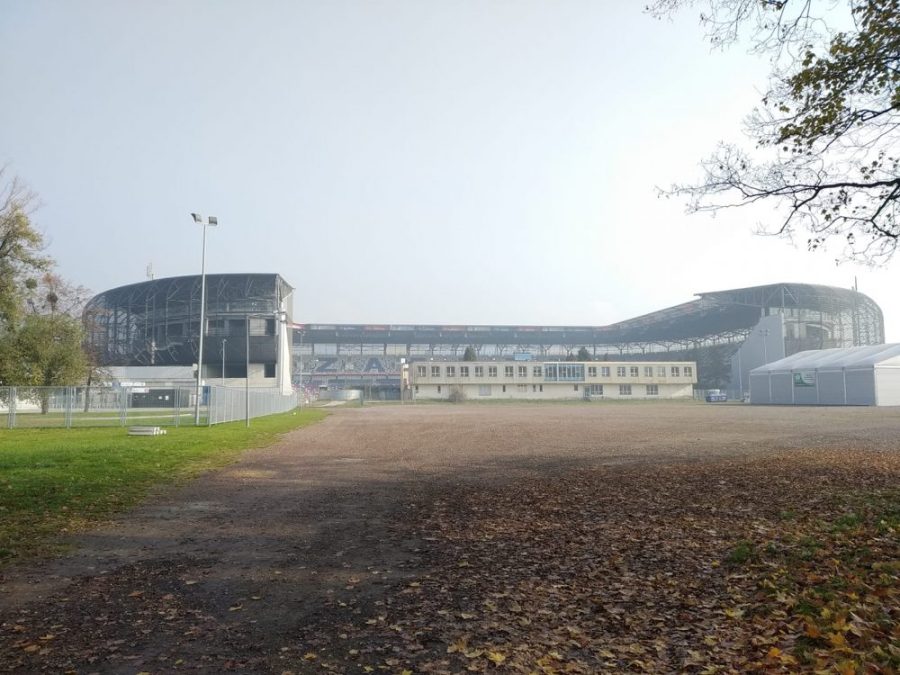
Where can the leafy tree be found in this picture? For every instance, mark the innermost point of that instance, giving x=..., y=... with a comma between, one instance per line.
x=21, y=244
x=45, y=351
x=469, y=354
x=41, y=334
x=583, y=354
x=827, y=132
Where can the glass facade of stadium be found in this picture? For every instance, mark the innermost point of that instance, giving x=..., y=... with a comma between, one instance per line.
x=157, y=323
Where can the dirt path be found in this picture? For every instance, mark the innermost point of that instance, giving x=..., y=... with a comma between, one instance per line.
x=229, y=571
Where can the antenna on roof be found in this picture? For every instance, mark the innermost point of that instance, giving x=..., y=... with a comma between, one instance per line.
x=150, y=270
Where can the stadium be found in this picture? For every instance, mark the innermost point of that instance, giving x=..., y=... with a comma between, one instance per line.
x=149, y=331
x=727, y=333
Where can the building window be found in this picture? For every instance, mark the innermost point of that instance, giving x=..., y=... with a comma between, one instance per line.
x=540, y=387
x=451, y=371
x=620, y=371
x=652, y=390
x=504, y=388
x=604, y=371
x=660, y=371
x=676, y=371
x=479, y=371
x=624, y=390
x=484, y=390
x=417, y=389
x=508, y=371
x=534, y=388
x=634, y=371
x=435, y=371
x=464, y=371
x=492, y=371
x=523, y=371
x=575, y=386
x=565, y=372
x=596, y=390
x=688, y=371
x=648, y=371
x=522, y=387
x=420, y=371
x=268, y=370
x=538, y=371
x=592, y=371
x=439, y=389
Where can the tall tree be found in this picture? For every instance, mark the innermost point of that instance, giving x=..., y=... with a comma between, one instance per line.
x=470, y=354
x=21, y=246
x=41, y=333
x=827, y=133
x=583, y=354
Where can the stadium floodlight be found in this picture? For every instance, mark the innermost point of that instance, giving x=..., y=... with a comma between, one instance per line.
x=212, y=220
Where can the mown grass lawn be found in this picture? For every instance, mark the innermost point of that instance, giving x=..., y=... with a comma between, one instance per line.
x=54, y=481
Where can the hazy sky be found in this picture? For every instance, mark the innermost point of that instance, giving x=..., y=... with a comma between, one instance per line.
x=397, y=162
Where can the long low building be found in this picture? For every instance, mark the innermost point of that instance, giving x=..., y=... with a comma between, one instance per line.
x=854, y=376
x=457, y=380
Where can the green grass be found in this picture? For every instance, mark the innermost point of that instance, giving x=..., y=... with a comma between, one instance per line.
x=741, y=553
x=54, y=481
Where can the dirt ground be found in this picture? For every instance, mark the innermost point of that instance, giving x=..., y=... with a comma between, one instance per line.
x=345, y=547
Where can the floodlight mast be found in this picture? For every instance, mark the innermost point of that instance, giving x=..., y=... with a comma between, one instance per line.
x=212, y=220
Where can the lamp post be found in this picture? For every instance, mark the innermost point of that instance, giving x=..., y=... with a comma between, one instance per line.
x=765, y=335
x=211, y=221
x=280, y=317
x=300, y=368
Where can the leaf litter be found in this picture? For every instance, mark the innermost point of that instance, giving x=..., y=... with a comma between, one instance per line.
x=784, y=562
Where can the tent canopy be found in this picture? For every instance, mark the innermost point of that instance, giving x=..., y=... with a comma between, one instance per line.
x=836, y=359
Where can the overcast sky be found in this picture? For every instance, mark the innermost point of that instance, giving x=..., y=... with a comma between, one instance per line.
x=397, y=162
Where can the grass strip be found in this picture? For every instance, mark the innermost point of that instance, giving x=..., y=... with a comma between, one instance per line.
x=56, y=481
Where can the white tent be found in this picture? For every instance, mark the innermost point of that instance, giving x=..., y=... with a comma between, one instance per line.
x=852, y=376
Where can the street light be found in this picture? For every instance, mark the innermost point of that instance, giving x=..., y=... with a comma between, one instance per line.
x=300, y=368
x=213, y=221
x=765, y=334
x=280, y=316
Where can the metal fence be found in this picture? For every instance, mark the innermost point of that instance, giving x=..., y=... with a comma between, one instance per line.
x=230, y=404
x=34, y=407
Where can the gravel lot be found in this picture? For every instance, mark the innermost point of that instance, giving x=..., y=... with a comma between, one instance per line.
x=248, y=568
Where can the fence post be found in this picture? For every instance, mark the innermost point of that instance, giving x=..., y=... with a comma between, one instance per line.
x=70, y=392
x=12, y=407
x=177, y=404
x=123, y=406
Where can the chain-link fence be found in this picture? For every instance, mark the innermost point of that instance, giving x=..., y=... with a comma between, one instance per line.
x=24, y=407
x=229, y=404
